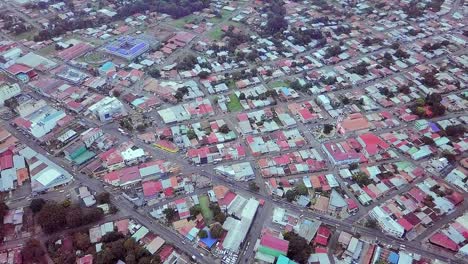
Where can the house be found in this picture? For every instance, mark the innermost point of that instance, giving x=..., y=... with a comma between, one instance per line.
x=340, y=154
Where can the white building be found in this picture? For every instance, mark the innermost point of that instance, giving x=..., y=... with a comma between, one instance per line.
x=107, y=108
x=238, y=229
x=40, y=122
x=45, y=175
x=91, y=135
x=8, y=91
x=133, y=156
x=386, y=222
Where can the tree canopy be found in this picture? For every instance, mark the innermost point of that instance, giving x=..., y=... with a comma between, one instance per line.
x=299, y=250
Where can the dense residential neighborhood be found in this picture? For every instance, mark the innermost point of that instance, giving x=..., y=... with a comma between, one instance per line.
x=222, y=131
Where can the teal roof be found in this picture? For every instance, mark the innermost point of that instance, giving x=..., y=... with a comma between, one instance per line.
x=107, y=66
x=87, y=155
x=284, y=260
x=138, y=101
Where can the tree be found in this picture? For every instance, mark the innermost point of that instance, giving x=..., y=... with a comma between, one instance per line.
x=224, y=129
x=401, y=54
x=203, y=74
x=36, y=205
x=53, y=217
x=345, y=100
x=141, y=127
x=33, y=252
x=154, y=72
x=299, y=250
x=427, y=140
x=451, y=158
x=290, y=195
x=242, y=96
x=296, y=85
x=430, y=80
x=420, y=111
x=3, y=210
x=253, y=187
x=327, y=128
x=395, y=45
x=103, y=198
x=371, y=223
x=93, y=215
x=455, y=130
x=195, y=210
x=116, y=93
x=11, y=103
x=219, y=217
x=381, y=261
x=301, y=189
x=405, y=89
x=353, y=166
x=333, y=51
x=81, y=241
x=191, y=134
x=361, y=178
x=360, y=69
x=130, y=259
x=111, y=237
x=74, y=217
x=276, y=21
x=170, y=214
x=179, y=96
x=202, y=234
x=216, y=231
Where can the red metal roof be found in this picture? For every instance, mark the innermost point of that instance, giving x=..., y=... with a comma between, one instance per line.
x=444, y=241
x=151, y=188
x=405, y=224
x=275, y=243
x=18, y=68
x=6, y=160
x=165, y=252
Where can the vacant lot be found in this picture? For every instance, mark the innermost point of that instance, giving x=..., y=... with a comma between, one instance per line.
x=234, y=105
x=205, y=207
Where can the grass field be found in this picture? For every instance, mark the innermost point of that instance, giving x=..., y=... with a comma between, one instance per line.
x=224, y=16
x=28, y=35
x=234, y=105
x=205, y=208
x=216, y=34
x=46, y=51
x=179, y=23
x=279, y=84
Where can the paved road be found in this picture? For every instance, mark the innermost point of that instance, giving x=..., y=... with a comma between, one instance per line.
x=123, y=205
x=262, y=216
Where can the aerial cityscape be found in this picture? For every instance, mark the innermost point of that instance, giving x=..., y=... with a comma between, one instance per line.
x=234, y=131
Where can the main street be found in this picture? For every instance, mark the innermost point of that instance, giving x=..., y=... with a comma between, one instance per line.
x=122, y=204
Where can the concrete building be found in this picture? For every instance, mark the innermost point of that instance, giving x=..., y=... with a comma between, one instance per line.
x=238, y=229
x=107, y=109
x=386, y=222
x=8, y=91
x=40, y=122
